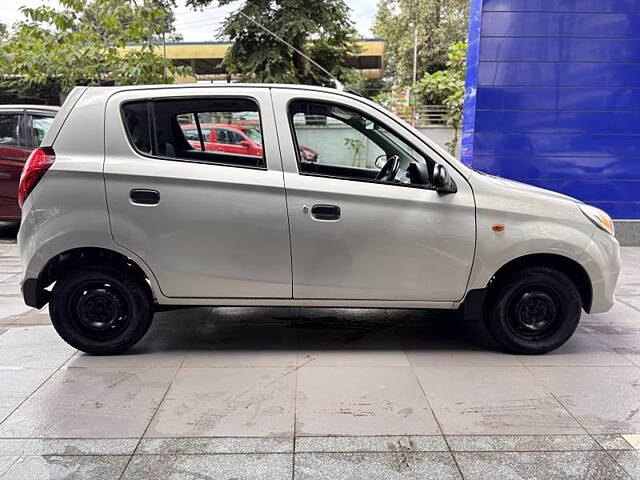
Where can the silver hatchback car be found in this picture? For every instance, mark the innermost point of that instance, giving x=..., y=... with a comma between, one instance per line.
x=154, y=197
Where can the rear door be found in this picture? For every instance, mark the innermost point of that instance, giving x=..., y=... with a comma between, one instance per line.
x=208, y=224
x=14, y=151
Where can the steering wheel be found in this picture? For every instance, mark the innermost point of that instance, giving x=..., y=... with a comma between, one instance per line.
x=390, y=169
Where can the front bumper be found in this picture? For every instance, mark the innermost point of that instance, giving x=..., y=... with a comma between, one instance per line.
x=601, y=260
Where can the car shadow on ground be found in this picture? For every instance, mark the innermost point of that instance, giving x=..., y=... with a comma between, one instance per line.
x=311, y=329
x=8, y=231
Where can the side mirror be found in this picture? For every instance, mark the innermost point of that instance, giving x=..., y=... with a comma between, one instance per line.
x=245, y=144
x=381, y=161
x=442, y=181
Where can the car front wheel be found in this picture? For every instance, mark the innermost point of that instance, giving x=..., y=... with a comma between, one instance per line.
x=533, y=310
x=100, y=309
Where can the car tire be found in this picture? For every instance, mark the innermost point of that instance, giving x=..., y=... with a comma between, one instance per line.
x=101, y=309
x=533, y=310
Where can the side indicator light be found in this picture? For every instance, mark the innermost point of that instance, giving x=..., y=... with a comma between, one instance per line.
x=497, y=227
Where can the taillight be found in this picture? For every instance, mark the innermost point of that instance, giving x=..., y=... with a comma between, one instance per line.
x=37, y=164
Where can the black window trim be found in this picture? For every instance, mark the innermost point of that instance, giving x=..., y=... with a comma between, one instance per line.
x=365, y=180
x=154, y=138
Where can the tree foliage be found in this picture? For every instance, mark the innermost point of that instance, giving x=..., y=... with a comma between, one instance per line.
x=82, y=44
x=319, y=28
x=439, y=22
x=447, y=87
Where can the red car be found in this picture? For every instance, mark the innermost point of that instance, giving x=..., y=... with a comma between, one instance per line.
x=22, y=128
x=232, y=138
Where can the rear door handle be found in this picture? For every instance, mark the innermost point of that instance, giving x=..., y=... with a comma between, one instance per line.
x=325, y=212
x=141, y=196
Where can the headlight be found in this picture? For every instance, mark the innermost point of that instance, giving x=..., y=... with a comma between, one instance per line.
x=598, y=217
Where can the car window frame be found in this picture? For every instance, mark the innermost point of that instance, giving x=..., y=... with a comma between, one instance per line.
x=150, y=101
x=366, y=115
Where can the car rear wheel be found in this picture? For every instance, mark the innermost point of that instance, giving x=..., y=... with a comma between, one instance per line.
x=533, y=310
x=100, y=309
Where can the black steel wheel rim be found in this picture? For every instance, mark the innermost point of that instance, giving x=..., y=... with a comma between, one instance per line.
x=99, y=310
x=534, y=312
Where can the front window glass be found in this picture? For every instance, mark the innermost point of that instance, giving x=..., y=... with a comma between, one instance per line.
x=339, y=142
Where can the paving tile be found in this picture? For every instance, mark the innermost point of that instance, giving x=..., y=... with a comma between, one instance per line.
x=214, y=445
x=231, y=402
x=198, y=467
x=426, y=347
x=582, y=349
x=612, y=442
x=591, y=465
x=521, y=443
x=633, y=439
x=33, y=347
x=620, y=314
x=362, y=401
x=16, y=384
x=493, y=400
x=403, y=443
x=90, y=403
x=370, y=466
x=243, y=345
x=360, y=344
x=11, y=306
x=67, y=446
x=623, y=339
x=629, y=461
x=32, y=317
x=54, y=467
x=602, y=399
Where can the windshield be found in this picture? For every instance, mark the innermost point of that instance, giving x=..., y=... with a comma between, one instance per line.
x=254, y=134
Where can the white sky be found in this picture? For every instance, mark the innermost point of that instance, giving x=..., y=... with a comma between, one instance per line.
x=198, y=26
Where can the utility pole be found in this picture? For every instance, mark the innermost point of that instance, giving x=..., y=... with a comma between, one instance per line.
x=164, y=54
x=415, y=70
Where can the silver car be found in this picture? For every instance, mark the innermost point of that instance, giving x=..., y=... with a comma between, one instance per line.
x=124, y=214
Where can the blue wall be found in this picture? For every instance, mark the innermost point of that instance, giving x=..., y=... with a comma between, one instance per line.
x=553, y=97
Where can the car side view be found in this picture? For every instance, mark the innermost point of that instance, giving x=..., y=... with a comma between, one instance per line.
x=125, y=211
x=22, y=128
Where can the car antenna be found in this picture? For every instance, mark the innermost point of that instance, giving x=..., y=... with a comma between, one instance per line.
x=337, y=82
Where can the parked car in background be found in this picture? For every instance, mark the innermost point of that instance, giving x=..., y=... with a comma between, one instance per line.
x=232, y=138
x=123, y=216
x=22, y=128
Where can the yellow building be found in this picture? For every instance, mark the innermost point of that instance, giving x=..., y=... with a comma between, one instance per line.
x=205, y=58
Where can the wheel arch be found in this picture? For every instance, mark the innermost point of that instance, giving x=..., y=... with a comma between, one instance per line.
x=566, y=265
x=36, y=288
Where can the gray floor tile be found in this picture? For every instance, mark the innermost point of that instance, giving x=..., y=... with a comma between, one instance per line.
x=369, y=466
x=612, y=442
x=199, y=467
x=493, y=400
x=213, y=445
x=91, y=403
x=602, y=399
x=629, y=461
x=620, y=314
x=623, y=339
x=362, y=401
x=404, y=443
x=582, y=349
x=538, y=466
x=16, y=384
x=33, y=347
x=53, y=467
x=231, y=402
x=522, y=443
x=359, y=345
x=67, y=446
x=243, y=345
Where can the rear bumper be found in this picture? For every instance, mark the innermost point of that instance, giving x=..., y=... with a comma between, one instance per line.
x=601, y=260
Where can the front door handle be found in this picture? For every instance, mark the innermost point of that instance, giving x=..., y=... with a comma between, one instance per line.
x=325, y=212
x=141, y=196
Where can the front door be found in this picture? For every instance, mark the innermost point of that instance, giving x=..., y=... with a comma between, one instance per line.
x=366, y=224
x=208, y=224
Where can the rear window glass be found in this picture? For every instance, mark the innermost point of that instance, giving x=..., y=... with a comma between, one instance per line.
x=223, y=131
x=41, y=126
x=9, y=128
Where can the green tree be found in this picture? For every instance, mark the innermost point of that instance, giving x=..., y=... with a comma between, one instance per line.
x=319, y=28
x=447, y=85
x=438, y=23
x=83, y=43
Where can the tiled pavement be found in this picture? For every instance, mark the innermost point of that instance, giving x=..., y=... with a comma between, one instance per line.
x=325, y=393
